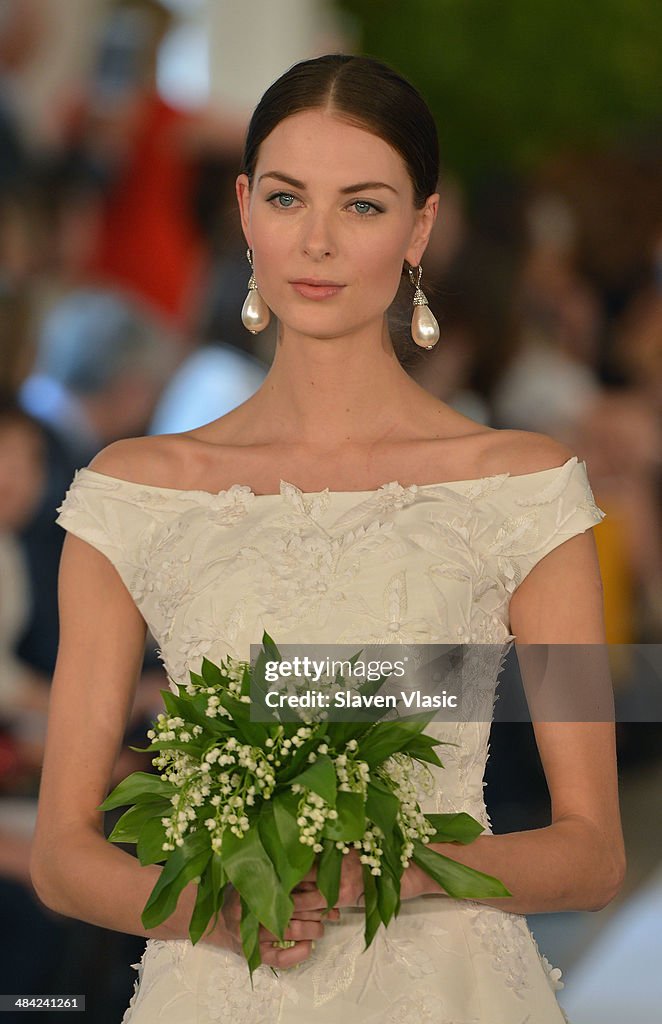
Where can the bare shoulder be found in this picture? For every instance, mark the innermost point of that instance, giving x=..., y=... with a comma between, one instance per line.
x=523, y=451
x=159, y=461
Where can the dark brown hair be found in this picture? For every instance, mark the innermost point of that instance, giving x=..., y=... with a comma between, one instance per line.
x=363, y=91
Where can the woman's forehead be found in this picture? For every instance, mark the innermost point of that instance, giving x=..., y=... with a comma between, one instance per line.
x=325, y=145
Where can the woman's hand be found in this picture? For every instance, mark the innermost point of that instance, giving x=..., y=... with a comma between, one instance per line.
x=304, y=928
x=414, y=882
x=350, y=893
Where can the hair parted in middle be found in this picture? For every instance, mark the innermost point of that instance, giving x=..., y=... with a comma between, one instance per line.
x=363, y=91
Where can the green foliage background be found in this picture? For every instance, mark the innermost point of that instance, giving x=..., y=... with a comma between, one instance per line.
x=511, y=81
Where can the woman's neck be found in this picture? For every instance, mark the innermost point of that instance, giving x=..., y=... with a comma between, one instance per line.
x=328, y=391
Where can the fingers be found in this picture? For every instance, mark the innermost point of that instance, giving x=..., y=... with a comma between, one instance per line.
x=317, y=915
x=297, y=930
x=309, y=916
x=283, y=958
x=311, y=899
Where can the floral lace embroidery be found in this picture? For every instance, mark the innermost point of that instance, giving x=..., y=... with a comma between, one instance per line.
x=390, y=954
x=554, y=974
x=174, y=951
x=229, y=507
x=507, y=939
x=228, y=997
x=420, y=1008
x=312, y=505
x=334, y=972
x=393, y=624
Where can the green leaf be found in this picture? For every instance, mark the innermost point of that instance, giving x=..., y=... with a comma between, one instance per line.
x=239, y=710
x=204, y=906
x=388, y=894
x=320, y=776
x=279, y=833
x=368, y=689
x=270, y=649
x=183, y=705
x=257, y=684
x=139, y=787
x=218, y=885
x=420, y=748
x=340, y=733
x=127, y=828
x=149, y=849
x=372, y=916
x=381, y=805
x=245, y=688
x=254, y=733
x=249, y=930
x=298, y=760
x=212, y=674
x=391, y=737
x=184, y=864
x=272, y=845
x=299, y=855
x=371, y=686
x=457, y=879
x=219, y=877
x=454, y=828
x=351, y=821
x=329, y=869
x=392, y=846
x=192, y=747
x=251, y=872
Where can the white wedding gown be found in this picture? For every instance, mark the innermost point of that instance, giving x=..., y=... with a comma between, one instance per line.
x=432, y=564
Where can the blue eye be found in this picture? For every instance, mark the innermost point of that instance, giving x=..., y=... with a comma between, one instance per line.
x=364, y=208
x=282, y=195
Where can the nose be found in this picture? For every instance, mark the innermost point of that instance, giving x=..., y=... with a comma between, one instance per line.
x=317, y=238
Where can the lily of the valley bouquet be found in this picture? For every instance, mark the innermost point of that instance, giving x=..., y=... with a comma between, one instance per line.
x=257, y=804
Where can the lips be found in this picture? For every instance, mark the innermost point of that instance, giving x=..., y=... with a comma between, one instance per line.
x=318, y=282
x=314, y=288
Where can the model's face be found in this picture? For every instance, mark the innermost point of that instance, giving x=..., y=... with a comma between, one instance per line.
x=332, y=203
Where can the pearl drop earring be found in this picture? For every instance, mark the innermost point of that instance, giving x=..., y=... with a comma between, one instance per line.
x=255, y=313
x=424, y=326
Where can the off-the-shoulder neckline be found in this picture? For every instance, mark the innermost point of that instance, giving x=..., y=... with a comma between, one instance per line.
x=313, y=494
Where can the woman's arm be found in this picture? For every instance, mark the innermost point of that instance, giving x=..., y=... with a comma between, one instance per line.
x=74, y=869
x=577, y=862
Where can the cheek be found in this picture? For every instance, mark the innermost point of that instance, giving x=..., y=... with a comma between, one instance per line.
x=272, y=251
x=378, y=261
x=386, y=265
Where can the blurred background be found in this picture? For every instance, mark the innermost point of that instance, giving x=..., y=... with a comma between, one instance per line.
x=122, y=276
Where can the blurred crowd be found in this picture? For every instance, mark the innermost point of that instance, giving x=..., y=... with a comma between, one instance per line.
x=122, y=276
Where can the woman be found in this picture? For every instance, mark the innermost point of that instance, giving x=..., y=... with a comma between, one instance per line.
x=404, y=525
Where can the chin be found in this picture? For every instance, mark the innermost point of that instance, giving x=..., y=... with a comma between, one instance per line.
x=319, y=327
x=324, y=325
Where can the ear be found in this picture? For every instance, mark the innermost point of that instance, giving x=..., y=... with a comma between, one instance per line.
x=242, y=189
x=425, y=218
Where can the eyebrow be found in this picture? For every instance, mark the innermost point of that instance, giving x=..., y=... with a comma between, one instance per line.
x=360, y=187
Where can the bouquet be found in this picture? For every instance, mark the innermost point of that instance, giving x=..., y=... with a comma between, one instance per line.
x=252, y=804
